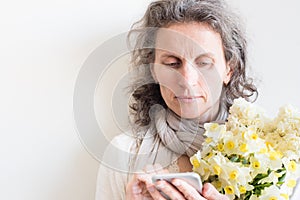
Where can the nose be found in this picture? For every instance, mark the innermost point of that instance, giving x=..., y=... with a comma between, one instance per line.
x=189, y=75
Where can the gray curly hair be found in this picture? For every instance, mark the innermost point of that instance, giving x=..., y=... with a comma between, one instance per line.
x=163, y=13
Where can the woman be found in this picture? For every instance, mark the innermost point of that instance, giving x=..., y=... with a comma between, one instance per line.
x=189, y=59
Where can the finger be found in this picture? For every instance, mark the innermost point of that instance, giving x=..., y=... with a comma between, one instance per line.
x=150, y=170
x=211, y=193
x=133, y=190
x=150, y=187
x=188, y=191
x=155, y=194
x=145, y=178
x=169, y=190
x=132, y=185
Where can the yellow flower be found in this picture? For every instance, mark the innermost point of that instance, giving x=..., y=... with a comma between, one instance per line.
x=256, y=164
x=248, y=144
x=230, y=145
x=209, y=155
x=275, y=155
x=233, y=174
x=269, y=144
x=195, y=162
x=291, y=183
x=243, y=134
x=263, y=150
x=229, y=190
x=217, y=169
x=220, y=147
x=217, y=184
x=254, y=136
x=242, y=190
x=285, y=196
x=208, y=140
x=244, y=147
x=292, y=166
x=214, y=127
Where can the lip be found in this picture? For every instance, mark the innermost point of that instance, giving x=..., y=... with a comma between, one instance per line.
x=188, y=99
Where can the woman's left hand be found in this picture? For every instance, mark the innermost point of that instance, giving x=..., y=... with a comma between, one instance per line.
x=186, y=191
x=190, y=193
x=141, y=187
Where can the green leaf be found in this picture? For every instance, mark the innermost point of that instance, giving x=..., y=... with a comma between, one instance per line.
x=234, y=158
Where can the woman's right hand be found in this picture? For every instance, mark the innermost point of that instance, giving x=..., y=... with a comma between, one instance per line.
x=141, y=187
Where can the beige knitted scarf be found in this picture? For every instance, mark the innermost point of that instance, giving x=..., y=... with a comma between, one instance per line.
x=169, y=137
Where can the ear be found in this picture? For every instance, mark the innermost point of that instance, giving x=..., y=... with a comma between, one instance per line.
x=227, y=74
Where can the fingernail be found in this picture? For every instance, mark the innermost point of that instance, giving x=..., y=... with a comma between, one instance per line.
x=208, y=190
x=176, y=183
x=136, y=189
x=151, y=189
x=159, y=185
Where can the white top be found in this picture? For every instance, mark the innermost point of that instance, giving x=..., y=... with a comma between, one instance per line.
x=111, y=184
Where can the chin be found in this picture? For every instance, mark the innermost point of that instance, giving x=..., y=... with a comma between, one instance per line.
x=189, y=115
x=192, y=112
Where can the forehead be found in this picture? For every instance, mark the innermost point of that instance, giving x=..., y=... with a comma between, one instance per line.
x=188, y=38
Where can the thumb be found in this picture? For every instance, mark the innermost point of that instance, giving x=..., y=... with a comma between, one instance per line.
x=211, y=193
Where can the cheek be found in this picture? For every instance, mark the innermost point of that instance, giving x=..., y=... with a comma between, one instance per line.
x=223, y=70
x=169, y=97
x=166, y=93
x=166, y=77
x=214, y=83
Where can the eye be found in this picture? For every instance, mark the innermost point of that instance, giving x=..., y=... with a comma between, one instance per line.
x=205, y=63
x=172, y=62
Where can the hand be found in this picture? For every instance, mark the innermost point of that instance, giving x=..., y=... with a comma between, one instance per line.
x=137, y=189
x=141, y=187
x=209, y=192
x=180, y=189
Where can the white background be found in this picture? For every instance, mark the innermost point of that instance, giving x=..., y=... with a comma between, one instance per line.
x=43, y=45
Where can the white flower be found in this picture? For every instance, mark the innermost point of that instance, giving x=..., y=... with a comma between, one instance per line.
x=271, y=178
x=288, y=186
x=292, y=167
x=259, y=164
x=271, y=193
x=252, y=156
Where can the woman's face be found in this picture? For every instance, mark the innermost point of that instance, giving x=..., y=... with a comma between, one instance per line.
x=191, y=69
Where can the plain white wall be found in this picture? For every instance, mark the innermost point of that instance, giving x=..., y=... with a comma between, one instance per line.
x=274, y=35
x=43, y=45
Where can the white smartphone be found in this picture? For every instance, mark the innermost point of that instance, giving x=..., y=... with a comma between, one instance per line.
x=191, y=178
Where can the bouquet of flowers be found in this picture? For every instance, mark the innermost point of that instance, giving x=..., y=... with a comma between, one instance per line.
x=252, y=156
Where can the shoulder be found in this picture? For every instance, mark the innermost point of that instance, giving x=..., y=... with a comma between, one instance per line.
x=113, y=171
x=123, y=141
x=118, y=153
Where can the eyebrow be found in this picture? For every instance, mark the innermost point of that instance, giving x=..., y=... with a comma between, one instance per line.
x=173, y=55
x=169, y=55
x=207, y=54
